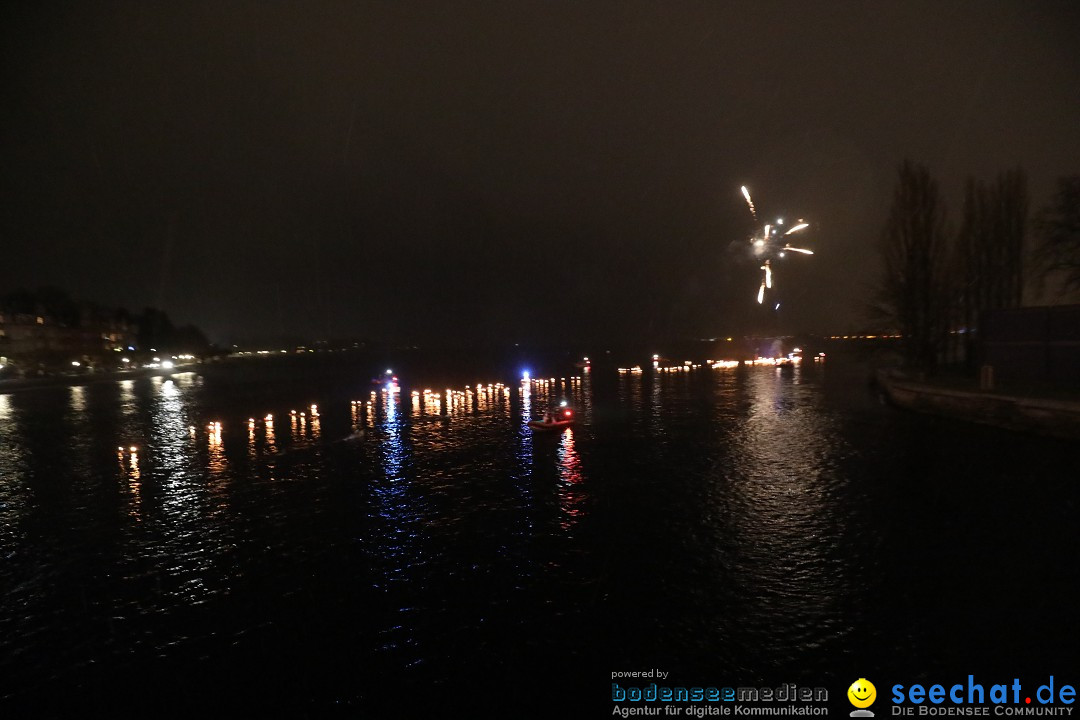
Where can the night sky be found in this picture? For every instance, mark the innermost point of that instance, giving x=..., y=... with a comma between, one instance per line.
x=519, y=171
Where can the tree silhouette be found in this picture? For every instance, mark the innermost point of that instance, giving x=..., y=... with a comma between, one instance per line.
x=990, y=248
x=915, y=287
x=1057, y=228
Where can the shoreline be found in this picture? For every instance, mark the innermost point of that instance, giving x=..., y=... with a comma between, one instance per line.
x=1039, y=415
x=55, y=381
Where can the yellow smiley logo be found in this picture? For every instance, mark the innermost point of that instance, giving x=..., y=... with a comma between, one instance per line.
x=862, y=693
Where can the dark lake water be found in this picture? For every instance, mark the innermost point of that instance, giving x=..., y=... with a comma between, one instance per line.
x=385, y=554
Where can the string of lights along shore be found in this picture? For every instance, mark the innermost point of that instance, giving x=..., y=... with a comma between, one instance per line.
x=770, y=244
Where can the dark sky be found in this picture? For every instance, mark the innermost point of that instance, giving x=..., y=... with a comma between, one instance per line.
x=509, y=170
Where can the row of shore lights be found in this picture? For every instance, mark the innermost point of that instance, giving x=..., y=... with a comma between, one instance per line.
x=482, y=393
x=491, y=390
x=685, y=367
x=213, y=429
x=268, y=420
x=547, y=381
x=792, y=359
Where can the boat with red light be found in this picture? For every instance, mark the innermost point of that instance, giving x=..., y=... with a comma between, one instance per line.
x=564, y=418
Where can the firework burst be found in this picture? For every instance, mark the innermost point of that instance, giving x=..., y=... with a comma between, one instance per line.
x=771, y=245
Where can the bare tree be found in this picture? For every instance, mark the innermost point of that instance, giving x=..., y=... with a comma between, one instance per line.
x=990, y=247
x=1057, y=228
x=915, y=288
x=1010, y=233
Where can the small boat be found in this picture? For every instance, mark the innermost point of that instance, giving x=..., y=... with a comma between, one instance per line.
x=554, y=421
x=554, y=425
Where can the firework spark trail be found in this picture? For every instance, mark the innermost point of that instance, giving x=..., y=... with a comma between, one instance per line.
x=746, y=194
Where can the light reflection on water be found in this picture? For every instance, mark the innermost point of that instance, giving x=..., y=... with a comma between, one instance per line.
x=525, y=434
x=571, y=479
x=127, y=394
x=719, y=513
x=15, y=477
x=780, y=514
x=398, y=519
x=78, y=399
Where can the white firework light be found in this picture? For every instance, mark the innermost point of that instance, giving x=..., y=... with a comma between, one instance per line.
x=771, y=244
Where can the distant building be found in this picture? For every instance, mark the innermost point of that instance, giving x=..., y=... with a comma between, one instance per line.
x=41, y=338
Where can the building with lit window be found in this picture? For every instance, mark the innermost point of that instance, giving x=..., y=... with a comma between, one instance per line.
x=40, y=338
